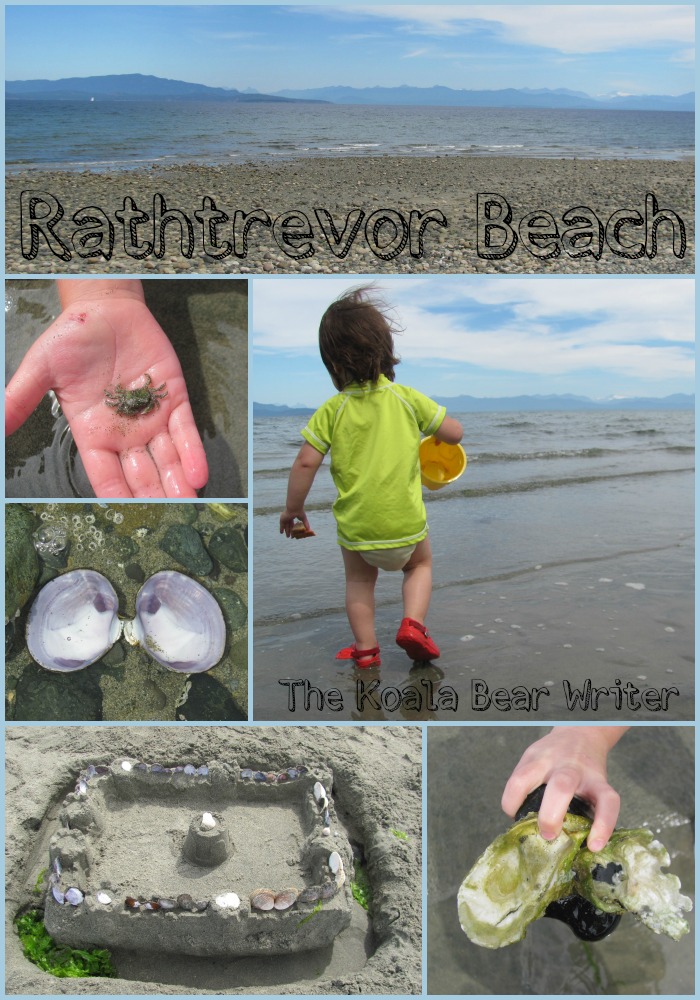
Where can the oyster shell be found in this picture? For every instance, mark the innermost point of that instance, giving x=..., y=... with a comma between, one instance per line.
x=626, y=876
x=521, y=874
x=515, y=880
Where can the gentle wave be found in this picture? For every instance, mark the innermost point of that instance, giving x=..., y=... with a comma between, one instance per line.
x=118, y=135
x=502, y=488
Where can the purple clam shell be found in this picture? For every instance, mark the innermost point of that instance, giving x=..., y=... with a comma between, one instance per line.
x=179, y=623
x=73, y=621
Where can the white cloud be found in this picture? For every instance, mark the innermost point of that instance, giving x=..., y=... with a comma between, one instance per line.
x=639, y=327
x=567, y=28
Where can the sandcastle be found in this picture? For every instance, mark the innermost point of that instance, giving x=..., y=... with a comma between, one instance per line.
x=208, y=859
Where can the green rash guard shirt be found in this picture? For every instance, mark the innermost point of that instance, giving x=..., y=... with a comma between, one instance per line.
x=373, y=431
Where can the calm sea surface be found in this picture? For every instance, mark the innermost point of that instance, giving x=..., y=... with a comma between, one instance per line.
x=77, y=135
x=568, y=531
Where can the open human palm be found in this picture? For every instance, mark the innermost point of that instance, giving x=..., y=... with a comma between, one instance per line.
x=92, y=348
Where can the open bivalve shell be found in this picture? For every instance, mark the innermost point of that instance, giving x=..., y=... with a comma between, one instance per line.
x=73, y=622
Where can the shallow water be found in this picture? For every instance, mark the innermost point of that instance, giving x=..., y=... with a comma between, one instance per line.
x=207, y=323
x=652, y=769
x=565, y=552
x=108, y=135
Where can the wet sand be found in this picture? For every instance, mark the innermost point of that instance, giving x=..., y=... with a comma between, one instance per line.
x=447, y=185
x=376, y=789
x=653, y=771
x=627, y=618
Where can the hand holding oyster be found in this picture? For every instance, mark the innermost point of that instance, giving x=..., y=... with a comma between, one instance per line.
x=521, y=874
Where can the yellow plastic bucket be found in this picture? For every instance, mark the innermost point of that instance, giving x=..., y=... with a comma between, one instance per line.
x=440, y=463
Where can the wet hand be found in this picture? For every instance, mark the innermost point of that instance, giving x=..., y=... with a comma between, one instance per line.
x=570, y=761
x=104, y=344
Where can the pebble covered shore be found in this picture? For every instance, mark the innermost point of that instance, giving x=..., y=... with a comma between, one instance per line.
x=401, y=184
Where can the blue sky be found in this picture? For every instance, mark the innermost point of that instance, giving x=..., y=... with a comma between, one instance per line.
x=490, y=335
x=599, y=49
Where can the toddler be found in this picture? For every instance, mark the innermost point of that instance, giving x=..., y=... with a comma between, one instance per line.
x=372, y=428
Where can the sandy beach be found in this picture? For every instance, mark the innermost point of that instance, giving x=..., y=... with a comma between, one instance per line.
x=345, y=202
x=376, y=794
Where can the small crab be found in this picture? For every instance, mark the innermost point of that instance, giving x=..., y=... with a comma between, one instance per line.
x=135, y=402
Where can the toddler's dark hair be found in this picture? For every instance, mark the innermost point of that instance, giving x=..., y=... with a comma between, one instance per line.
x=356, y=339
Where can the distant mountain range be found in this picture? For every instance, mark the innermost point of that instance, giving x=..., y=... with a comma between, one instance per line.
x=507, y=98
x=132, y=87
x=518, y=404
x=137, y=87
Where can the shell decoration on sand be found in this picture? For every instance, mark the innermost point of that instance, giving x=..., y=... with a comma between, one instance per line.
x=262, y=899
x=520, y=874
x=331, y=872
x=74, y=622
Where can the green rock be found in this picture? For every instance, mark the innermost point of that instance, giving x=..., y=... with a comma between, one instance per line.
x=228, y=546
x=183, y=543
x=21, y=560
x=43, y=696
x=235, y=610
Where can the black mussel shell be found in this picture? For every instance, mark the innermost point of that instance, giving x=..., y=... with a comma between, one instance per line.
x=584, y=919
x=587, y=922
x=577, y=806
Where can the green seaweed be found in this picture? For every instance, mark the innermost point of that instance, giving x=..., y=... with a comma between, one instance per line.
x=39, y=884
x=399, y=834
x=317, y=909
x=362, y=888
x=63, y=962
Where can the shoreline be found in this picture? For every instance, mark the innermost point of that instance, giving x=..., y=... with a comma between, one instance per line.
x=433, y=197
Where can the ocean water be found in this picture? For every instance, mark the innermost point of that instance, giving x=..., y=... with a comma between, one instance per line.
x=565, y=552
x=79, y=135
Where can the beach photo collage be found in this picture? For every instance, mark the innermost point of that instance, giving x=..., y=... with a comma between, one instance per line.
x=349, y=499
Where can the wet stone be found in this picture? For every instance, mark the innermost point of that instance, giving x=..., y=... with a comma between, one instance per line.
x=135, y=573
x=228, y=546
x=21, y=559
x=49, y=697
x=209, y=701
x=183, y=543
x=234, y=609
x=122, y=547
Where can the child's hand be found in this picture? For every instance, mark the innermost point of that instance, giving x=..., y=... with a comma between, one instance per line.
x=570, y=760
x=295, y=524
x=107, y=335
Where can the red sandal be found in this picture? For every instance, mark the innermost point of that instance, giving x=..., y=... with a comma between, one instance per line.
x=371, y=656
x=414, y=639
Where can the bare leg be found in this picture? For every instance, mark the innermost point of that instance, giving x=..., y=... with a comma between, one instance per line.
x=360, y=579
x=418, y=582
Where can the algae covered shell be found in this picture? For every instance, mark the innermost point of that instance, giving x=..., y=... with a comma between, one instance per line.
x=520, y=875
x=515, y=879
